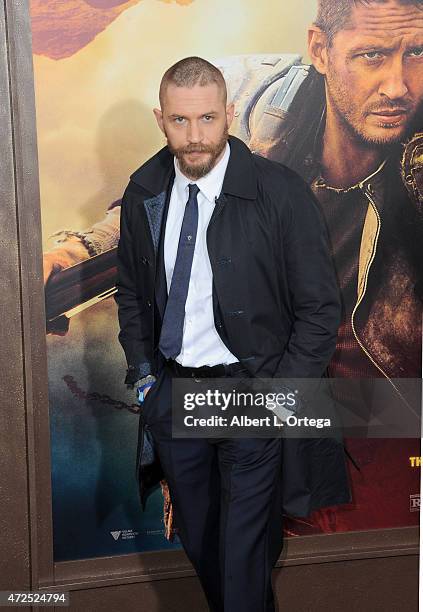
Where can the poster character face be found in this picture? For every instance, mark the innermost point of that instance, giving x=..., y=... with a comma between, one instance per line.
x=195, y=121
x=373, y=69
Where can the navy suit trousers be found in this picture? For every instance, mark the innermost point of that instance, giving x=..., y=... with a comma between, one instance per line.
x=227, y=504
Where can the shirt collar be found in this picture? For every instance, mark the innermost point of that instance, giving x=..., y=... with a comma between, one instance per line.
x=210, y=185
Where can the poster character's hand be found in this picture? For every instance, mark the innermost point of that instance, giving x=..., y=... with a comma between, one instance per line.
x=54, y=261
x=70, y=252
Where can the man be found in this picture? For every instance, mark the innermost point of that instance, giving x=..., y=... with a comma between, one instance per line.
x=224, y=270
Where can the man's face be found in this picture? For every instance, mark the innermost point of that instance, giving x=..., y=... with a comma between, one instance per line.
x=374, y=71
x=195, y=122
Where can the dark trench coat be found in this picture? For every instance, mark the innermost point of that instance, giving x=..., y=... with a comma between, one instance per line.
x=275, y=298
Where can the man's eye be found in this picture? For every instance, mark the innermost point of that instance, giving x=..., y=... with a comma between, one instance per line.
x=208, y=118
x=416, y=52
x=372, y=55
x=179, y=119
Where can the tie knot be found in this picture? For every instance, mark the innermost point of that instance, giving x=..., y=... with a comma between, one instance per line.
x=193, y=190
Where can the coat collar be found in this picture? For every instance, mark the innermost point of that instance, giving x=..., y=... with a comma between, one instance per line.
x=240, y=178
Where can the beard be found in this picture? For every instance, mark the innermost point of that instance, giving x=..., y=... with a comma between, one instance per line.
x=197, y=171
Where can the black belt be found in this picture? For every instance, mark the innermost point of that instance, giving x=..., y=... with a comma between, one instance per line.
x=221, y=370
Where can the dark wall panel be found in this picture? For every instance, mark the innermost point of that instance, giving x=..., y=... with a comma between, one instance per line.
x=14, y=543
x=369, y=585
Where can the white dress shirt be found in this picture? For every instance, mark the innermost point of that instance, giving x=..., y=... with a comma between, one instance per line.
x=201, y=344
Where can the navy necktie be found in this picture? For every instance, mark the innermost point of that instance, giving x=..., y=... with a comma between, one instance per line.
x=173, y=320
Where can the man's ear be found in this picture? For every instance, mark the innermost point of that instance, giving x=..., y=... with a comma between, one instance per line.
x=230, y=110
x=159, y=118
x=317, y=48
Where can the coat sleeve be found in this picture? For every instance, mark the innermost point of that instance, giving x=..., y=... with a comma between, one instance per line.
x=133, y=338
x=312, y=285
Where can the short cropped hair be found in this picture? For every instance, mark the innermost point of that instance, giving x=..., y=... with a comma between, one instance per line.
x=333, y=15
x=189, y=72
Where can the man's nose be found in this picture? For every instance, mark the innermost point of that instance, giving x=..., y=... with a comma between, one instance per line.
x=394, y=85
x=194, y=132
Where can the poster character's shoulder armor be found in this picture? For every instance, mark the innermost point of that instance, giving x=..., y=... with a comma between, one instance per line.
x=259, y=84
x=412, y=169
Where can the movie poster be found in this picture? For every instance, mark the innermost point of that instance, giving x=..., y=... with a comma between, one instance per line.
x=98, y=65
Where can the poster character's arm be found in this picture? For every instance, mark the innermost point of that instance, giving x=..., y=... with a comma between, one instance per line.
x=72, y=247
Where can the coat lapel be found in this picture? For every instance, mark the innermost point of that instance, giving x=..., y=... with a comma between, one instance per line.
x=154, y=208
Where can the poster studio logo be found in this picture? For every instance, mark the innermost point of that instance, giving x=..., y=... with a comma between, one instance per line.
x=415, y=502
x=126, y=534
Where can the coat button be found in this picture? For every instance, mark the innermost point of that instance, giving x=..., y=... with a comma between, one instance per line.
x=144, y=261
x=149, y=303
